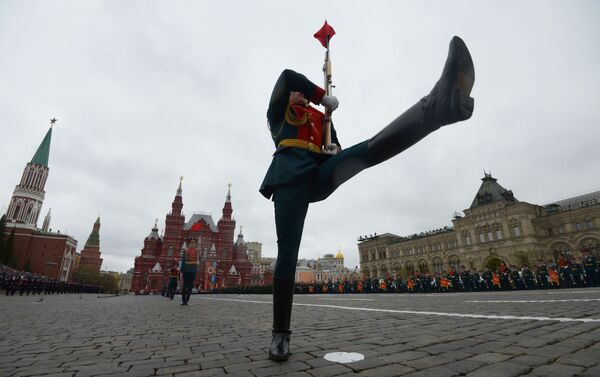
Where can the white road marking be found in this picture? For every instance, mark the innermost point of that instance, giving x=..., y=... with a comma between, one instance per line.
x=340, y=298
x=569, y=292
x=439, y=314
x=527, y=301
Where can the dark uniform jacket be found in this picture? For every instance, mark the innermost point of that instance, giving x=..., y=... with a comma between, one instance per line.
x=293, y=164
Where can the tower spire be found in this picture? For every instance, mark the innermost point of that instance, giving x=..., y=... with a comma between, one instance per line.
x=42, y=153
x=94, y=238
x=179, y=190
x=177, y=204
x=46, y=224
x=227, y=209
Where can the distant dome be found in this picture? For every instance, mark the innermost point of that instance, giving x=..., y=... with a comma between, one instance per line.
x=339, y=255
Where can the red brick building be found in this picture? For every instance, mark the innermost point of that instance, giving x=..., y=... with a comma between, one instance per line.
x=48, y=253
x=223, y=262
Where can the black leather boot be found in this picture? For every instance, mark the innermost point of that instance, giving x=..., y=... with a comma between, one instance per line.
x=447, y=103
x=283, y=295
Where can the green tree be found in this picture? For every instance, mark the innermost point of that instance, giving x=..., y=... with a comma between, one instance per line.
x=521, y=258
x=85, y=275
x=108, y=282
x=492, y=264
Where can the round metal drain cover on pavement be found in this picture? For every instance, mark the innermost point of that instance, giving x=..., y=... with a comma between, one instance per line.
x=344, y=357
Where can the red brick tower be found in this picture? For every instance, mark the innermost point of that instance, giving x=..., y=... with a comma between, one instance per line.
x=90, y=255
x=145, y=262
x=226, y=227
x=239, y=273
x=172, y=238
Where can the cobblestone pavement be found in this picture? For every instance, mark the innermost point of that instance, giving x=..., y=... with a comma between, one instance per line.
x=533, y=333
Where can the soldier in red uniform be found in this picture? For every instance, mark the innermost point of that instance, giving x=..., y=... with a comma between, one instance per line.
x=173, y=278
x=304, y=171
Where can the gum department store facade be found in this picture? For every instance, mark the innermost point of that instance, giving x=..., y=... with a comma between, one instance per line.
x=496, y=227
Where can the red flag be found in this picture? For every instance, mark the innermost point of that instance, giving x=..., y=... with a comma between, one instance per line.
x=196, y=227
x=324, y=34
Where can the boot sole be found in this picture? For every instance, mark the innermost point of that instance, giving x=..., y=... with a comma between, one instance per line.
x=278, y=358
x=465, y=79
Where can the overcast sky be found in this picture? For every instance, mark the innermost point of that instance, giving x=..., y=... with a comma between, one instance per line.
x=147, y=91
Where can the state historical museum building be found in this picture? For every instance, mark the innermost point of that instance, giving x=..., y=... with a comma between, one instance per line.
x=223, y=262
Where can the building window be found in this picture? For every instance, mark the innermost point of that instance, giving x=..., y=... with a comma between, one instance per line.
x=578, y=226
x=517, y=231
x=561, y=229
x=490, y=236
x=498, y=234
x=467, y=239
x=550, y=233
x=481, y=237
x=438, y=266
x=454, y=263
x=590, y=224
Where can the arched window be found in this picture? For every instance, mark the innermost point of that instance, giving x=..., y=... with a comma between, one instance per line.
x=438, y=265
x=18, y=210
x=410, y=268
x=382, y=271
x=454, y=262
x=365, y=272
x=423, y=266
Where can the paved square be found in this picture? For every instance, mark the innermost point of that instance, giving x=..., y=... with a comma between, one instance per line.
x=534, y=333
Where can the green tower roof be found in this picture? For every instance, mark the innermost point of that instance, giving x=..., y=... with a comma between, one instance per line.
x=41, y=155
x=491, y=191
x=94, y=238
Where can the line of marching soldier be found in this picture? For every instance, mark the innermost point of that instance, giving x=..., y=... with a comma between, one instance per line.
x=14, y=281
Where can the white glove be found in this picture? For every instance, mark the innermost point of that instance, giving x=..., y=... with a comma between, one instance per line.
x=330, y=102
x=331, y=149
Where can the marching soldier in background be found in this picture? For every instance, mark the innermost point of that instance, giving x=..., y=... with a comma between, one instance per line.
x=590, y=266
x=465, y=276
x=564, y=272
x=515, y=278
x=542, y=274
x=189, y=266
x=576, y=269
x=487, y=277
x=173, y=278
x=528, y=279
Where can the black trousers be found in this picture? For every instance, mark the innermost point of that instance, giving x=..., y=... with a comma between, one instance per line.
x=188, y=281
x=291, y=202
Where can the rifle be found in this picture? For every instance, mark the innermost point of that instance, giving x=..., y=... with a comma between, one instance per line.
x=328, y=91
x=324, y=36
